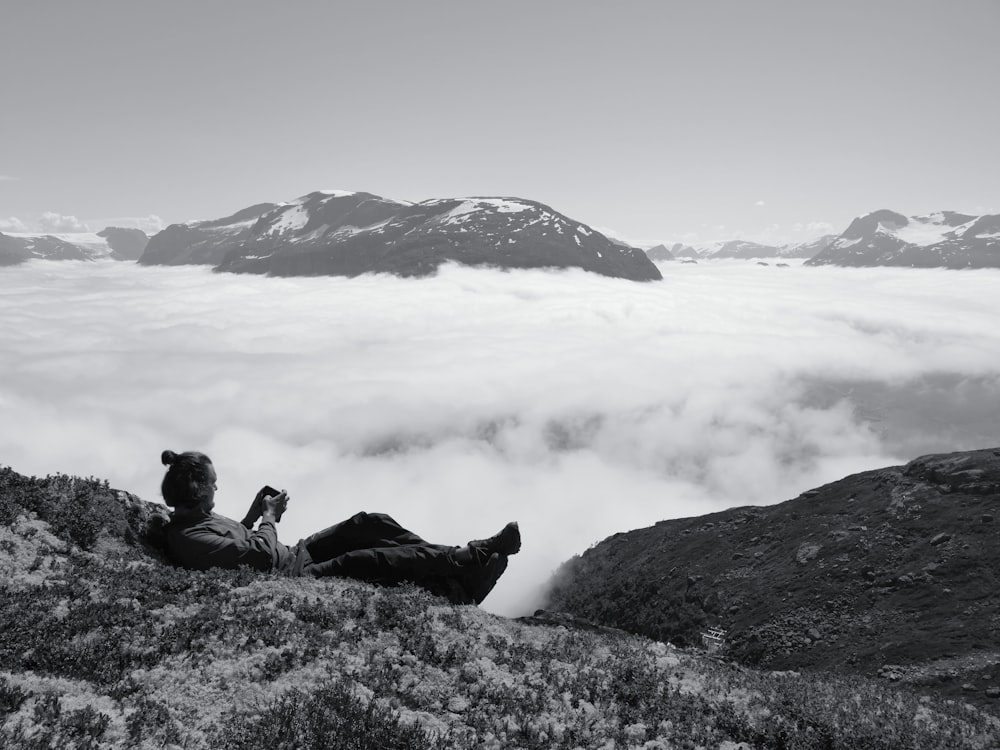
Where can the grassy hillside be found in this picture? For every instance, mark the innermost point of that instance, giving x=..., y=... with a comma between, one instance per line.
x=105, y=645
x=892, y=573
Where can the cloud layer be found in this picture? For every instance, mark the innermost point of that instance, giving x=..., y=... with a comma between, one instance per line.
x=579, y=405
x=50, y=221
x=150, y=224
x=12, y=224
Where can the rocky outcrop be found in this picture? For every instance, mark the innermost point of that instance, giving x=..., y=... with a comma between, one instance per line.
x=895, y=566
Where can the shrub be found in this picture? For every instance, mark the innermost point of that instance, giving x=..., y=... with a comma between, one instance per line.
x=328, y=718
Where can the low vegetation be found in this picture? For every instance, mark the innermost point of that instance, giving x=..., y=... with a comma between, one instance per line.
x=105, y=645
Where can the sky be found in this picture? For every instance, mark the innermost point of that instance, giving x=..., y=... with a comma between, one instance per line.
x=660, y=121
x=578, y=405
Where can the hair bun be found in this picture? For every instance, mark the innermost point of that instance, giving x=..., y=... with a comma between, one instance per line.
x=168, y=458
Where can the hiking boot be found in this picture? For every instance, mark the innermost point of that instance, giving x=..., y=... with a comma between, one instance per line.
x=506, y=542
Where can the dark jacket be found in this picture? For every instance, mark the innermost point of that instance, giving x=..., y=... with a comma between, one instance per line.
x=215, y=541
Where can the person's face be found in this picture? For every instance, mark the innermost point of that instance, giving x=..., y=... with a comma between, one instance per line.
x=209, y=502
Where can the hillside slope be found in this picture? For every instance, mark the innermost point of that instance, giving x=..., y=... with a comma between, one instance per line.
x=894, y=572
x=105, y=645
x=201, y=242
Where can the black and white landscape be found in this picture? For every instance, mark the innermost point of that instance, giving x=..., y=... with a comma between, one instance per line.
x=703, y=295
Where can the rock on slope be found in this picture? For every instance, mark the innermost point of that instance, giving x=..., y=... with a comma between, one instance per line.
x=894, y=571
x=941, y=240
x=347, y=234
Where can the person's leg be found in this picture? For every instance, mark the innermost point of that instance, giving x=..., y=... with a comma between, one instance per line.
x=470, y=584
x=388, y=565
x=478, y=580
x=360, y=531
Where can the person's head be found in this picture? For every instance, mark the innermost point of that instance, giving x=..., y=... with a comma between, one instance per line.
x=189, y=483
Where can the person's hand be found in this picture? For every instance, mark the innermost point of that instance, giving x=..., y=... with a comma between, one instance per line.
x=274, y=506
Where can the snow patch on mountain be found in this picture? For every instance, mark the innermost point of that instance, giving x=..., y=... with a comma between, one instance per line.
x=848, y=243
x=474, y=205
x=930, y=230
x=292, y=219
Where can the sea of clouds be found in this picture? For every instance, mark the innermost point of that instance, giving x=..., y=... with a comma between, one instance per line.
x=579, y=405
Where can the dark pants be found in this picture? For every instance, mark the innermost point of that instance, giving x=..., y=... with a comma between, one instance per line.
x=373, y=547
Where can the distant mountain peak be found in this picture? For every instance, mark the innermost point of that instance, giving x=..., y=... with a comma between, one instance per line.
x=114, y=243
x=948, y=239
x=337, y=193
x=349, y=233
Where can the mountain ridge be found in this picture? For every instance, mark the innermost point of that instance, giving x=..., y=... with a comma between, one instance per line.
x=113, y=243
x=739, y=249
x=350, y=233
x=945, y=239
